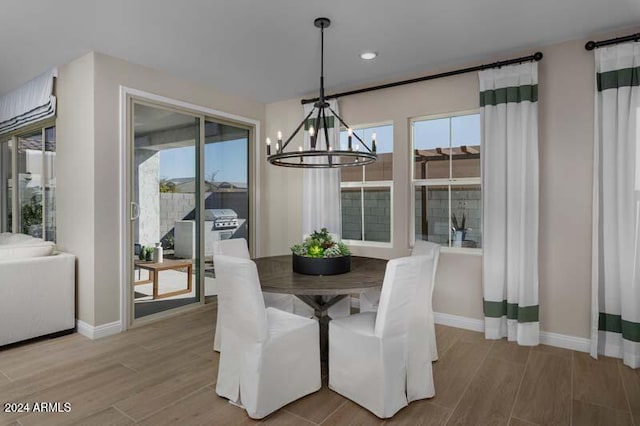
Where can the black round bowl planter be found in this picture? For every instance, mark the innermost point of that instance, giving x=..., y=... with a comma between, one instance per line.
x=321, y=265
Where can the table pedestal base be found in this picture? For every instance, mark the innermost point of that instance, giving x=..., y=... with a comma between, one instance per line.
x=321, y=311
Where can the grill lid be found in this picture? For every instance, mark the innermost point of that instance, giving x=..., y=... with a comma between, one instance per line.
x=219, y=214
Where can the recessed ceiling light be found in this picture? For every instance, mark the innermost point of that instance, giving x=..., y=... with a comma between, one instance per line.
x=367, y=56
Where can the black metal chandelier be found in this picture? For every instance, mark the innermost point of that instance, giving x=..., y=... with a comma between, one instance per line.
x=321, y=155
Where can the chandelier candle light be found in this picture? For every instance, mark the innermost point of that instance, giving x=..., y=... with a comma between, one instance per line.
x=321, y=155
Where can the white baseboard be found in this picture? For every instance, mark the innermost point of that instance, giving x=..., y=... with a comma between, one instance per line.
x=564, y=341
x=98, y=331
x=457, y=321
x=574, y=343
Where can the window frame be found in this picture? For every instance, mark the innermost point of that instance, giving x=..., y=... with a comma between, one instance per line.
x=449, y=182
x=6, y=169
x=13, y=137
x=371, y=184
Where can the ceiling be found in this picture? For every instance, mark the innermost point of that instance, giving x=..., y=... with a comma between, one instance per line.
x=269, y=50
x=149, y=119
x=157, y=129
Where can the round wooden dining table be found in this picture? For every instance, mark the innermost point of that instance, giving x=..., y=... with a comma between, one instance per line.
x=320, y=292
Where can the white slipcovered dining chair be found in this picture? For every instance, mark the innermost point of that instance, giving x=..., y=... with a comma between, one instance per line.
x=369, y=299
x=432, y=252
x=237, y=247
x=368, y=358
x=269, y=357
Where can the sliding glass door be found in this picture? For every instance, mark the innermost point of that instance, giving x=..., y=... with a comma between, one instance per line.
x=226, y=189
x=189, y=187
x=165, y=210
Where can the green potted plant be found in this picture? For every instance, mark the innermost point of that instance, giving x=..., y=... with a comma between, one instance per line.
x=142, y=254
x=32, y=217
x=319, y=254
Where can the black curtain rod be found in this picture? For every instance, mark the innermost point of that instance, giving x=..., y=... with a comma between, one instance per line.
x=535, y=57
x=594, y=44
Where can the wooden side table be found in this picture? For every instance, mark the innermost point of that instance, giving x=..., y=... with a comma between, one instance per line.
x=154, y=270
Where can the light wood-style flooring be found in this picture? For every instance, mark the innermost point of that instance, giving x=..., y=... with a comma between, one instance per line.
x=165, y=373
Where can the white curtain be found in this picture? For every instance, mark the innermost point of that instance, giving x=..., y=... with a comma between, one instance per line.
x=615, y=324
x=29, y=103
x=321, y=187
x=509, y=110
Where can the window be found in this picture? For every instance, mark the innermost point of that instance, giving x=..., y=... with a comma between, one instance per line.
x=446, y=180
x=367, y=190
x=6, y=149
x=30, y=157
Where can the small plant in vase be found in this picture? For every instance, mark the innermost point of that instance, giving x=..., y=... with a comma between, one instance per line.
x=458, y=229
x=146, y=253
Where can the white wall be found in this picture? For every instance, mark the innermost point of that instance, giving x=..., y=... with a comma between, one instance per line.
x=566, y=98
x=75, y=176
x=566, y=90
x=89, y=130
x=280, y=187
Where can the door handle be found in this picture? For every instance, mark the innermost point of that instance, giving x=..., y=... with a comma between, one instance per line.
x=135, y=211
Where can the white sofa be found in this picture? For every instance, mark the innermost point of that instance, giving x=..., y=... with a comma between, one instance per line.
x=37, y=288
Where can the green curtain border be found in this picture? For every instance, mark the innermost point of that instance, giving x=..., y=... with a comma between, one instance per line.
x=626, y=77
x=512, y=311
x=505, y=95
x=615, y=324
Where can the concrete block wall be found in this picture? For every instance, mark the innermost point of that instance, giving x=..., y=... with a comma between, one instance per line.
x=377, y=218
x=146, y=179
x=174, y=207
x=351, y=215
x=463, y=200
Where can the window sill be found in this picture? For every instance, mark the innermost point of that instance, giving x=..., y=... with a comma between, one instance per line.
x=461, y=250
x=360, y=243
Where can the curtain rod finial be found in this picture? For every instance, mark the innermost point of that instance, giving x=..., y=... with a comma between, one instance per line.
x=537, y=56
x=590, y=45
